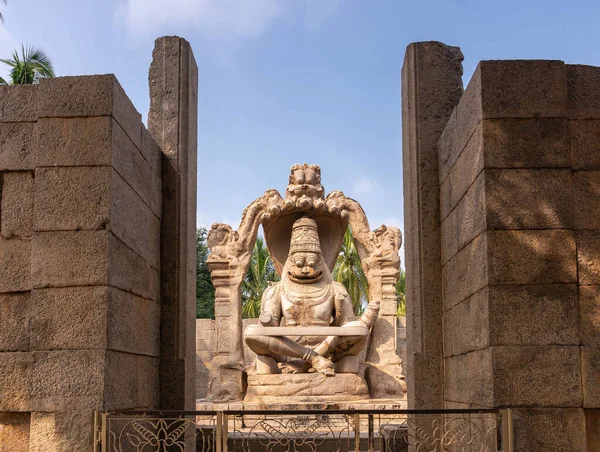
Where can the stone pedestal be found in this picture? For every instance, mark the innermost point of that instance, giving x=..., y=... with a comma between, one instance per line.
x=307, y=387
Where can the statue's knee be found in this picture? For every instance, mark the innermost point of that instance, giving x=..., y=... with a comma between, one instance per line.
x=258, y=344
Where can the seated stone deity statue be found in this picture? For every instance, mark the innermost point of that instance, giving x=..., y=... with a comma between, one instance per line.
x=307, y=296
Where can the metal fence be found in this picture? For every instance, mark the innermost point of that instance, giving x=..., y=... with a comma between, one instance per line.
x=297, y=431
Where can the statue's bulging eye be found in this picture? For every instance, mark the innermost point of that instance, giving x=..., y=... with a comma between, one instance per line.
x=311, y=263
x=299, y=262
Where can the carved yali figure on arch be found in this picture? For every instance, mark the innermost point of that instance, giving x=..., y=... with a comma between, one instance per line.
x=307, y=297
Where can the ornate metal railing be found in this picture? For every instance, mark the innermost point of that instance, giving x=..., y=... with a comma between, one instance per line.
x=297, y=431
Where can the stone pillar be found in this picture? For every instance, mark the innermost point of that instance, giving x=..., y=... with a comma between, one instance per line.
x=431, y=88
x=519, y=203
x=79, y=246
x=172, y=121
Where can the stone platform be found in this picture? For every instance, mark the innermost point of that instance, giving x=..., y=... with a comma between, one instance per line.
x=284, y=404
x=306, y=387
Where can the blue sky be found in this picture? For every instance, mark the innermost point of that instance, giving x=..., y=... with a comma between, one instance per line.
x=293, y=81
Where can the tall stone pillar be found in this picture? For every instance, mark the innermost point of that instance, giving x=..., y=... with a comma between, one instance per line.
x=172, y=121
x=431, y=88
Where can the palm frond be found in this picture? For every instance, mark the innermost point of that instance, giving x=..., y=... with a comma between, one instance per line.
x=2, y=82
x=29, y=66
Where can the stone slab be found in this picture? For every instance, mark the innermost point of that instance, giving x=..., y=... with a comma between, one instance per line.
x=68, y=318
x=17, y=145
x=362, y=404
x=257, y=330
x=590, y=373
x=528, y=198
x=586, y=200
x=589, y=315
x=14, y=432
x=133, y=324
x=131, y=381
x=468, y=378
x=523, y=89
x=77, y=258
x=588, y=257
x=541, y=314
x=74, y=141
x=72, y=198
x=545, y=376
x=585, y=144
x=466, y=272
x=305, y=387
x=15, y=271
x=62, y=431
x=19, y=103
x=16, y=210
x=67, y=380
x=14, y=322
x=531, y=257
x=583, y=84
x=93, y=95
x=526, y=143
x=15, y=378
x=550, y=429
x=466, y=327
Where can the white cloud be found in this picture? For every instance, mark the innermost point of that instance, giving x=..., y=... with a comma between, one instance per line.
x=223, y=19
x=365, y=186
x=319, y=11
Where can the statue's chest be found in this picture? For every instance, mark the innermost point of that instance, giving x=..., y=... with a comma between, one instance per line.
x=303, y=309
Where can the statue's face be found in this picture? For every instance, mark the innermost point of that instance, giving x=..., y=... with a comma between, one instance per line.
x=305, y=267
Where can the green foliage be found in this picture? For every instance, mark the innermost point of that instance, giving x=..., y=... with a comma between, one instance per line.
x=1, y=16
x=205, y=291
x=401, y=294
x=28, y=67
x=349, y=272
x=260, y=272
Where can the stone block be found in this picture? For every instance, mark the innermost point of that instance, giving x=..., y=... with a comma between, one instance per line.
x=588, y=257
x=15, y=375
x=131, y=381
x=74, y=141
x=526, y=143
x=14, y=322
x=129, y=272
x=17, y=145
x=544, y=314
x=67, y=379
x=16, y=210
x=583, y=85
x=592, y=424
x=466, y=325
x=62, y=431
x=133, y=324
x=466, y=272
x=15, y=271
x=150, y=149
x=544, y=376
x=549, y=429
x=589, y=315
x=468, y=378
x=14, y=432
x=585, y=144
x=464, y=172
x=94, y=95
x=590, y=373
x=72, y=198
x=470, y=213
x=461, y=126
x=586, y=200
x=68, y=318
x=531, y=257
x=70, y=258
x=528, y=198
x=523, y=89
x=19, y=103
x=132, y=221
x=449, y=237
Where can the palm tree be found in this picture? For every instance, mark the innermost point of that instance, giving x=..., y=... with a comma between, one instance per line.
x=349, y=272
x=1, y=16
x=260, y=272
x=401, y=294
x=29, y=67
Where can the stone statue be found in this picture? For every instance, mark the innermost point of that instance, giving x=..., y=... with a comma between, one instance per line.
x=307, y=296
x=307, y=321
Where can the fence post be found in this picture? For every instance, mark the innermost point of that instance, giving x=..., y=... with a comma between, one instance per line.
x=356, y=432
x=219, y=438
x=371, y=434
x=225, y=429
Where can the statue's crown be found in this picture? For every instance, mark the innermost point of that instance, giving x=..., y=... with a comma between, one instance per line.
x=305, y=236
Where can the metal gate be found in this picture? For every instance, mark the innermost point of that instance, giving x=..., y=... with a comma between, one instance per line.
x=297, y=431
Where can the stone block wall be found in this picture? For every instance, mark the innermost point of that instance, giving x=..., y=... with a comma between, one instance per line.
x=519, y=191
x=80, y=219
